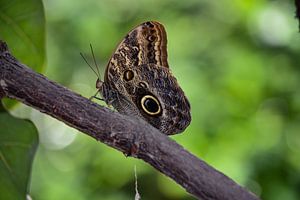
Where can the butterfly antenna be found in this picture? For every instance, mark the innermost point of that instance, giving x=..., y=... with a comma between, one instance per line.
x=89, y=65
x=95, y=59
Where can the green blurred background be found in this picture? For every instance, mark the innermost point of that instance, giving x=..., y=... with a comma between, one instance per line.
x=238, y=63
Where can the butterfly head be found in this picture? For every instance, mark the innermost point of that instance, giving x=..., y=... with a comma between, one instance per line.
x=99, y=84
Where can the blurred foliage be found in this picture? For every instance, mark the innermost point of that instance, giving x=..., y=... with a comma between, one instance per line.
x=22, y=27
x=18, y=143
x=238, y=63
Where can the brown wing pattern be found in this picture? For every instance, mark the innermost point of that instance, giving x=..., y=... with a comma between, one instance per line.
x=152, y=41
x=139, y=69
x=145, y=44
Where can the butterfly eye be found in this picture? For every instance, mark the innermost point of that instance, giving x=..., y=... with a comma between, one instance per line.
x=150, y=105
x=128, y=75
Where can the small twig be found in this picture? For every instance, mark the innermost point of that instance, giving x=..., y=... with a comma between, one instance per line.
x=131, y=136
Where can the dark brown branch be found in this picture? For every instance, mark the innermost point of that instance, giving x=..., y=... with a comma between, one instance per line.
x=131, y=136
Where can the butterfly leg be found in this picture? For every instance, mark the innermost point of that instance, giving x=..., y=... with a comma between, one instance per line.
x=95, y=97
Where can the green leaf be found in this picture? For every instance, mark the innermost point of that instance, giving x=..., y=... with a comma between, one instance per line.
x=22, y=27
x=18, y=143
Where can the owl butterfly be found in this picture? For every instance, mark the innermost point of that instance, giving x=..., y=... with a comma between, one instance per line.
x=138, y=81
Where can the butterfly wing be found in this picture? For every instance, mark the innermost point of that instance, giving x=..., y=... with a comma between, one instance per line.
x=147, y=43
x=139, y=68
x=152, y=40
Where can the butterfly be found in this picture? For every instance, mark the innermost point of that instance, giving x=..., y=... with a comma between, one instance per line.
x=138, y=81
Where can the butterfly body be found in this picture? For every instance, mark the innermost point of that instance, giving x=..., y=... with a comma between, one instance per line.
x=138, y=81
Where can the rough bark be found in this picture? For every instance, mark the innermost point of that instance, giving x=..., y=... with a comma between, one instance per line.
x=133, y=137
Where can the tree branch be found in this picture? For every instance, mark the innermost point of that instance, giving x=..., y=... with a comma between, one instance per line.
x=133, y=137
